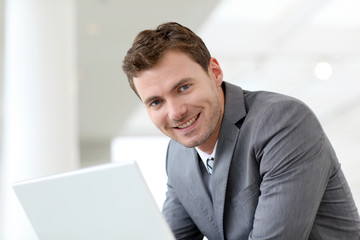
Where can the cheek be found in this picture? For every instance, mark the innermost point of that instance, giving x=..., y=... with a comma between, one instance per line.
x=201, y=98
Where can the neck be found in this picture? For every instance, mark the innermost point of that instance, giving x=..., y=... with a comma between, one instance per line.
x=208, y=147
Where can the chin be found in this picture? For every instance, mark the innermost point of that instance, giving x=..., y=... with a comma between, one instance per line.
x=192, y=143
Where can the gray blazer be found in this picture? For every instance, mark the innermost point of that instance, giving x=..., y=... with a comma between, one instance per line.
x=275, y=176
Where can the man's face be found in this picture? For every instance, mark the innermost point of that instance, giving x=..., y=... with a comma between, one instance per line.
x=183, y=101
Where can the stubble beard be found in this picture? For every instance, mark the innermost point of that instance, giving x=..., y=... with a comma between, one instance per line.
x=208, y=133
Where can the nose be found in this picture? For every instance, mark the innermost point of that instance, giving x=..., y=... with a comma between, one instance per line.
x=176, y=110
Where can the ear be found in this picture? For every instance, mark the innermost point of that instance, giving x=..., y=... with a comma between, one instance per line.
x=215, y=71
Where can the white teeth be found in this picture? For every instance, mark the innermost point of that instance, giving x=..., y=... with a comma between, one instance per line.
x=188, y=123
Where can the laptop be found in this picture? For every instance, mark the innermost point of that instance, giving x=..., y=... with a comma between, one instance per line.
x=110, y=201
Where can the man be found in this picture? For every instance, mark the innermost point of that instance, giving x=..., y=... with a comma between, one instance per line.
x=241, y=164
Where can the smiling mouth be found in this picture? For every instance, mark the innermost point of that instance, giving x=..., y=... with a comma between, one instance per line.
x=189, y=123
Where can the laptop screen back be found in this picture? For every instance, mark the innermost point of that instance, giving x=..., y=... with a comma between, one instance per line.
x=110, y=201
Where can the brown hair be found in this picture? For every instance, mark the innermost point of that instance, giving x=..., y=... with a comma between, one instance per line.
x=150, y=46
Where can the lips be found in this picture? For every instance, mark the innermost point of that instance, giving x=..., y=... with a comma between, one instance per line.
x=188, y=123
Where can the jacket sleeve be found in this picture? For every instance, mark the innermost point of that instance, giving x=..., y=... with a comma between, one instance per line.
x=295, y=164
x=175, y=214
x=178, y=219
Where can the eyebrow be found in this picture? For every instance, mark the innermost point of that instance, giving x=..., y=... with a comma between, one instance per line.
x=150, y=99
x=178, y=84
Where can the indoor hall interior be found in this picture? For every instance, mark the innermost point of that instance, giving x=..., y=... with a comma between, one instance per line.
x=65, y=103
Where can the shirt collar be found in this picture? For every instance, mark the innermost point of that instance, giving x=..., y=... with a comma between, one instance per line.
x=204, y=156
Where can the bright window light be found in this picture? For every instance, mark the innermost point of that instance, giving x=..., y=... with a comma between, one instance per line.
x=149, y=154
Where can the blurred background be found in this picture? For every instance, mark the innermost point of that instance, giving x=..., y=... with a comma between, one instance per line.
x=66, y=104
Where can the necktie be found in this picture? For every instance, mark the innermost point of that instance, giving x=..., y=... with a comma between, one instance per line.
x=209, y=165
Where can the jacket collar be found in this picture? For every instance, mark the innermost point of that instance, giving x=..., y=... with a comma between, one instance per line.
x=234, y=103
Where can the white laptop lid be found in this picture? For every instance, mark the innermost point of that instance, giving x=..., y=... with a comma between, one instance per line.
x=109, y=201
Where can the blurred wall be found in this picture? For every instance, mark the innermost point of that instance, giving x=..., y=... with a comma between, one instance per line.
x=1, y=87
x=40, y=133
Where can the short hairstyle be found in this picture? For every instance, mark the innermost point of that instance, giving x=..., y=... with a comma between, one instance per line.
x=150, y=46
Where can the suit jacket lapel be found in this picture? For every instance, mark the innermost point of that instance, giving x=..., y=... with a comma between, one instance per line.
x=223, y=157
x=197, y=189
x=194, y=179
x=234, y=111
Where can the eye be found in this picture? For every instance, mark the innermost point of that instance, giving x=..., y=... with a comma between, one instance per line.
x=184, y=88
x=155, y=103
